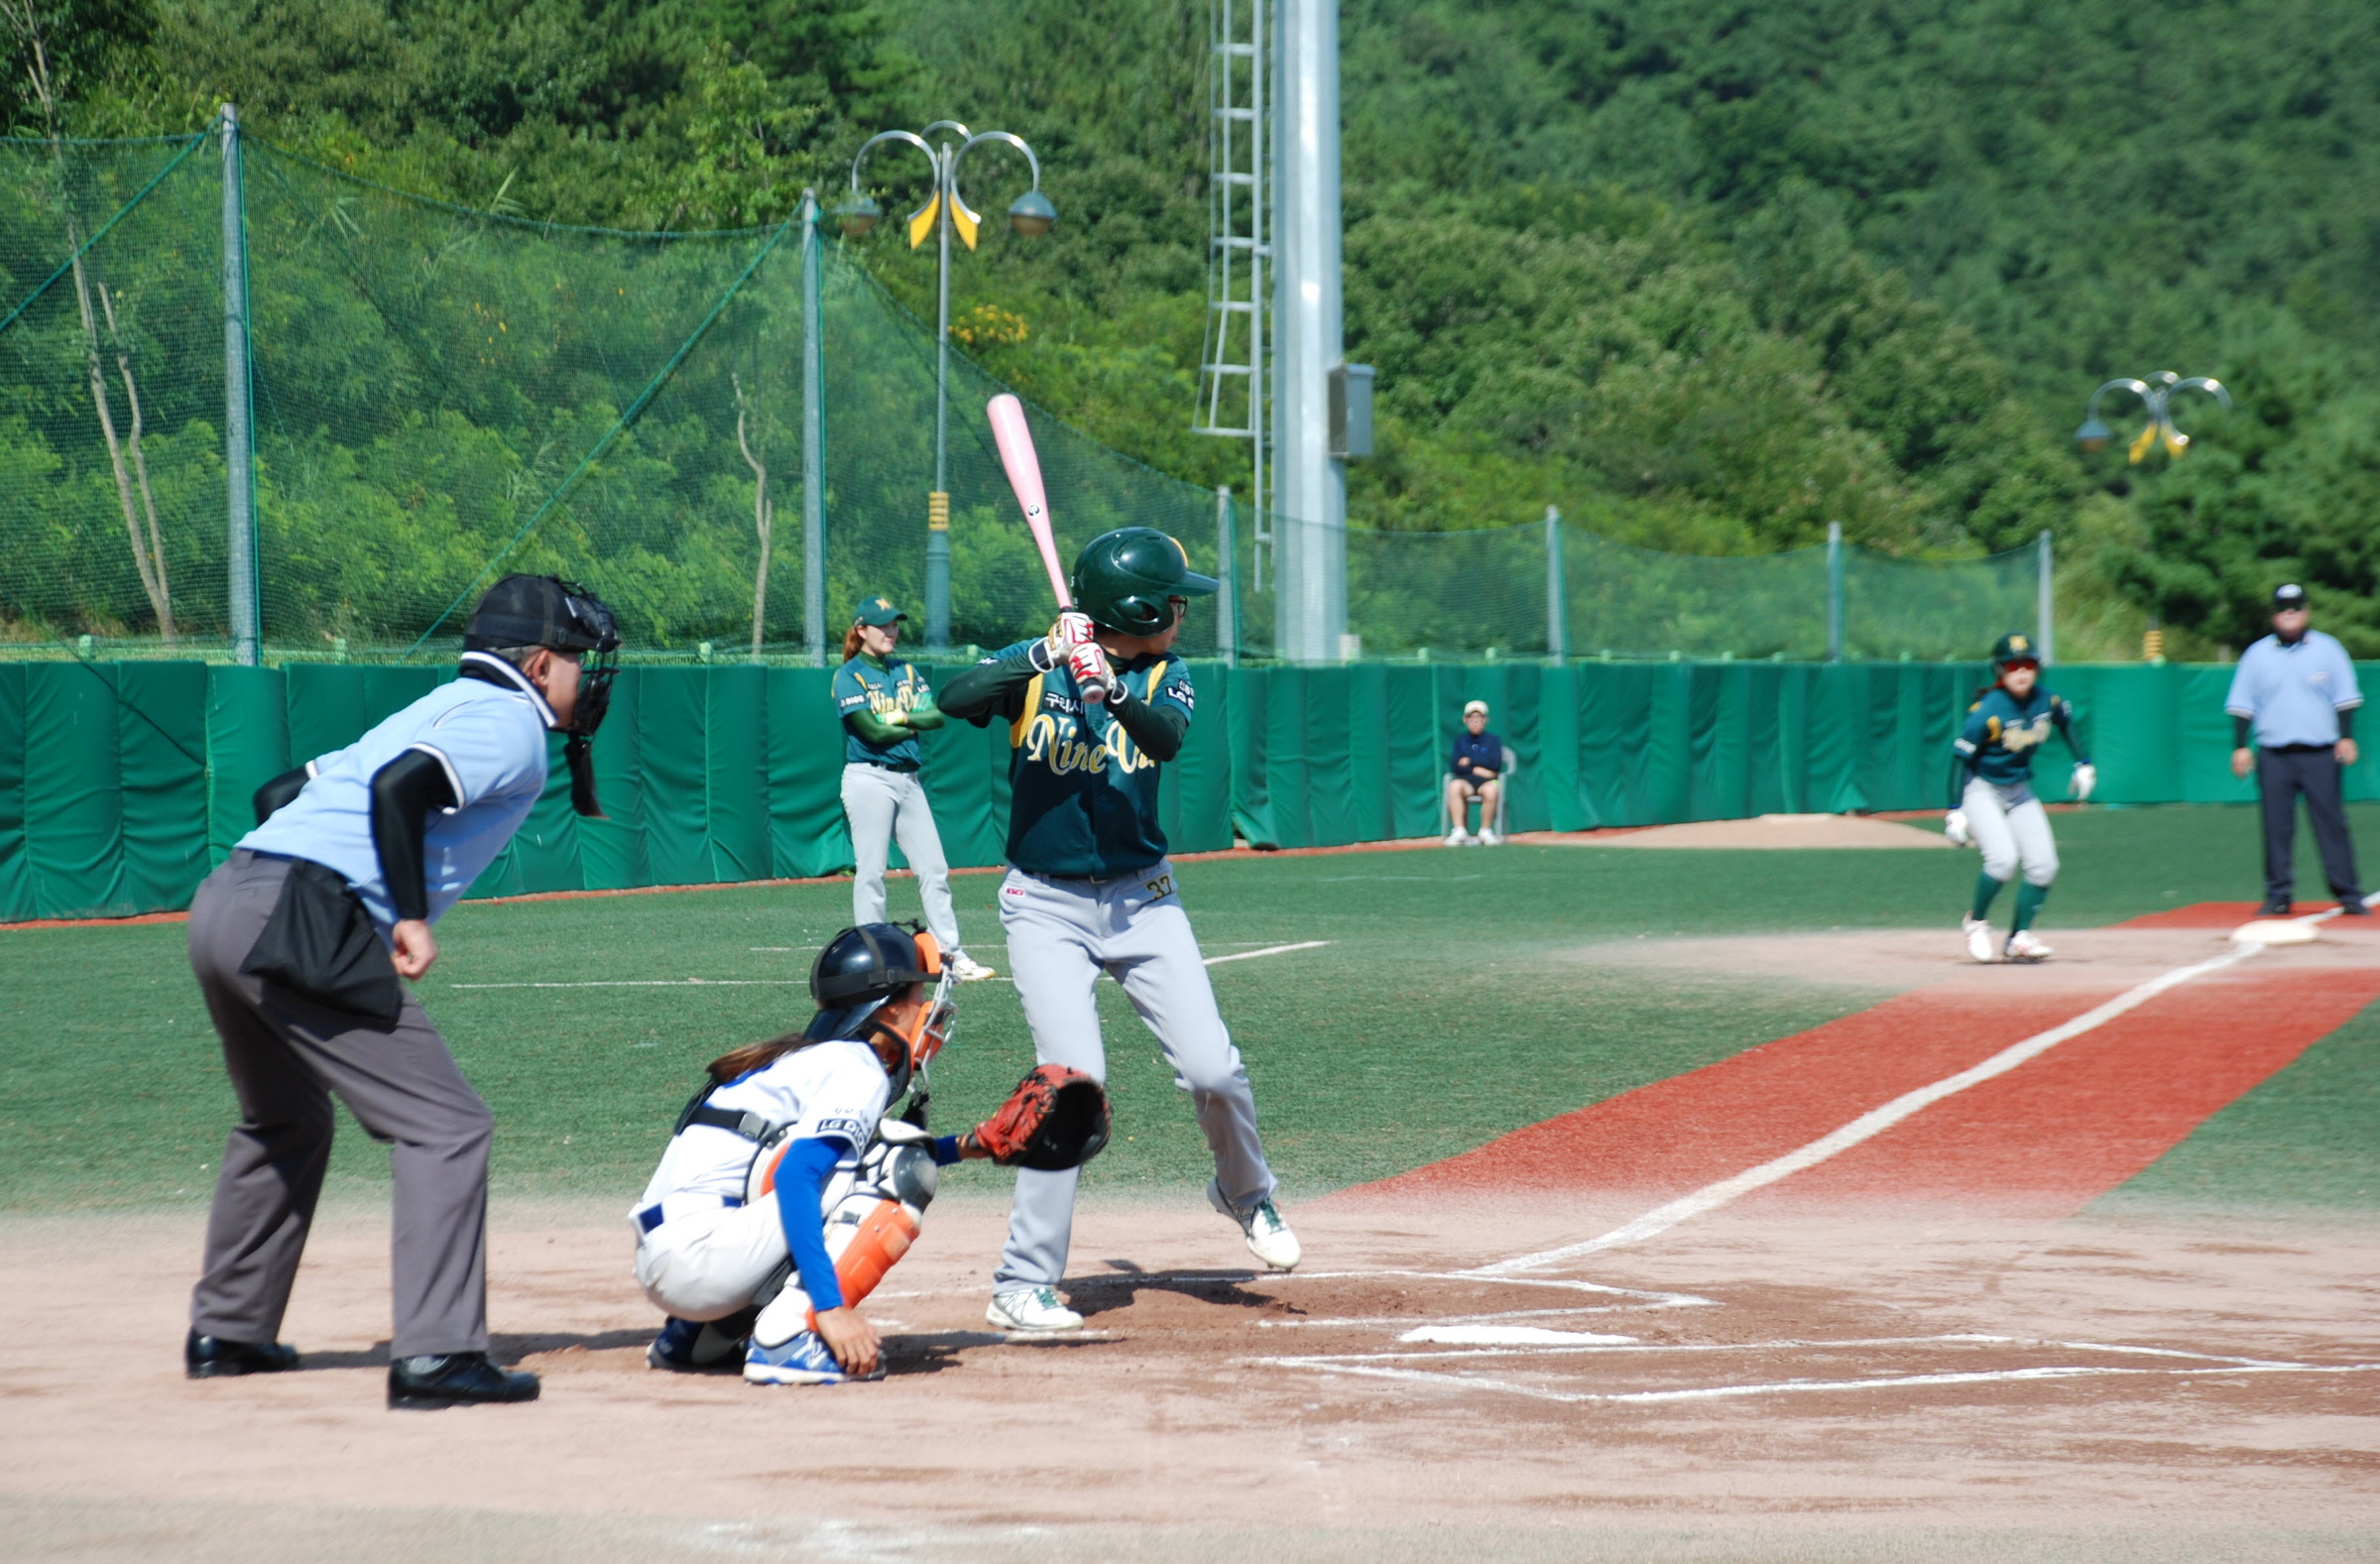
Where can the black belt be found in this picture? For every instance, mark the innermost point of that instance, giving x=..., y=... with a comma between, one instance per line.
x=892, y=766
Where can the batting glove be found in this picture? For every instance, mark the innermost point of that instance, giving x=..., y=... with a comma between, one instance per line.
x=1953, y=826
x=1094, y=679
x=1072, y=630
x=2087, y=776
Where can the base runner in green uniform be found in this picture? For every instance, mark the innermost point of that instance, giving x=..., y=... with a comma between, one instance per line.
x=1993, y=804
x=1089, y=888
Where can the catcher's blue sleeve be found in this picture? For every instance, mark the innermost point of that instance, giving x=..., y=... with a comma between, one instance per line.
x=800, y=1190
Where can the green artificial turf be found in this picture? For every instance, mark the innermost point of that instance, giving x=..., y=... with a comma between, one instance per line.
x=1437, y=1018
x=2307, y=1137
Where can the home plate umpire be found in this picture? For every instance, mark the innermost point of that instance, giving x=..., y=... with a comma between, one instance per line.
x=299, y=940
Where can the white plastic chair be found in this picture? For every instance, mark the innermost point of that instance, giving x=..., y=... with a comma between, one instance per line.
x=1503, y=798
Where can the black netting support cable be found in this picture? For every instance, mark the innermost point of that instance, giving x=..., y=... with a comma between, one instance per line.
x=620, y=425
x=102, y=231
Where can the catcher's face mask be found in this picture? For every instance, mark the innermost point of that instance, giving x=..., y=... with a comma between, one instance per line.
x=930, y=1028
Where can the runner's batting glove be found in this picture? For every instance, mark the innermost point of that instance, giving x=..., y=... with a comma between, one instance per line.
x=1091, y=675
x=1953, y=826
x=2087, y=776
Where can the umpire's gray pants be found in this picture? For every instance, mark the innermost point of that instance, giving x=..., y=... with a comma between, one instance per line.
x=880, y=805
x=286, y=1056
x=1062, y=934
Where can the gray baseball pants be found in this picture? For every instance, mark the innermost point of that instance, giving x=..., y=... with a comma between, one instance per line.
x=2011, y=836
x=287, y=1057
x=882, y=804
x=1062, y=934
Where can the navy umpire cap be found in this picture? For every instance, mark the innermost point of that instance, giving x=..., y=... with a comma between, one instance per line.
x=541, y=611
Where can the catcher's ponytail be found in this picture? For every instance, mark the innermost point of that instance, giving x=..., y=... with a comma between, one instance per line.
x=756, y=1056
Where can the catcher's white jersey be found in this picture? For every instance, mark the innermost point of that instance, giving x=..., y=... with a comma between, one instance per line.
x=827, y=1091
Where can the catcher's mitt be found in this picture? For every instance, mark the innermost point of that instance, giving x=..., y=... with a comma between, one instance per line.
x=1056, y=1118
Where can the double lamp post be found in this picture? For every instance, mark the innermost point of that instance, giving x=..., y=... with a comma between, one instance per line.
x=945, y=144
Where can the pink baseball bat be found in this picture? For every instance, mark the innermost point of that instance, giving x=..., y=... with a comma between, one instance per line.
x=1023, y=464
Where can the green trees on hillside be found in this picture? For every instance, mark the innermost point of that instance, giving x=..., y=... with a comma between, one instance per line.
x=1709, y=277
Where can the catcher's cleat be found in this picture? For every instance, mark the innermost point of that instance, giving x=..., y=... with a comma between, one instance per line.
x=2022, y=946
x=1269, y=1237
x=219, y=1357
x=969, y=970
x=1035, y=1310
x=802, y=1360
x=1978, y=938
x=699, y=1346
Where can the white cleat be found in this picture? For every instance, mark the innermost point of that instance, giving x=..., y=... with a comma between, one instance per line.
x=967, y=969
x=1458, y=838
x=1269, y=1237
x=1491, y=839
x=1978, y=938
x=2022, y=946
x=1032, y=1310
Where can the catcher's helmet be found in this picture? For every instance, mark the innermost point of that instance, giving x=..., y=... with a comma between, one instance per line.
x=562, y=616
x=1123, y=578
x=2014, y=646
x=862, y=970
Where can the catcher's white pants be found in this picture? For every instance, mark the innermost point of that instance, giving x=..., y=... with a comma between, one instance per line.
x=883, y=805
x=706, y=1261
x=2011, y=836
x=1062, y=934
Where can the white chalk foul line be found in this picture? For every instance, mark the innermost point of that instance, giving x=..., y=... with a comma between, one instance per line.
x=778, y=983
x=1869, y=1124
x=652, y=983
x=1269, y=950
x=1787, y=1387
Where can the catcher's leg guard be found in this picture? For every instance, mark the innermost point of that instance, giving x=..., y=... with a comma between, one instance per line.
x=867, y=1233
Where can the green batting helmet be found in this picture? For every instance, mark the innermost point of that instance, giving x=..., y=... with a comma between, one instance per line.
x=2014, y=646
x=1123, y=578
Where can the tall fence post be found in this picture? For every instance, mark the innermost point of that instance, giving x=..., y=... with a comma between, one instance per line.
x=813, y=436
x=2045, y=628
x=1227, y=572
x=1834, y=591
x=1557, y=593
x=239, y=445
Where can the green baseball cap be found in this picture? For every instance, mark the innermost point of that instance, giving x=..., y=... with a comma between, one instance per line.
x=878, y=610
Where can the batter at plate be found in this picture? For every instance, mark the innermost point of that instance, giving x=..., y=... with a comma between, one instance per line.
x=1093, y=709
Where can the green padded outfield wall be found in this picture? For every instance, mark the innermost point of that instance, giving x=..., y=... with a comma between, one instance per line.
x=122, y=784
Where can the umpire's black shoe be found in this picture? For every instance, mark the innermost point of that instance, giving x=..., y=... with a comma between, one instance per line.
x=219, y=1357
x=2274, y=906
x=2354, y=907
x=455, y=1379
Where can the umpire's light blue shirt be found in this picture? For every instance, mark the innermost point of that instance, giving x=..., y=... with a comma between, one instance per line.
x=2293, y=691
x=491, y=740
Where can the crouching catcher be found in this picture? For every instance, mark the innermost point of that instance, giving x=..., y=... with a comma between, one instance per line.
x=787, y=1192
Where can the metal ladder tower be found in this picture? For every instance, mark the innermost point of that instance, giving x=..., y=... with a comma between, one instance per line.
x=1232, y=387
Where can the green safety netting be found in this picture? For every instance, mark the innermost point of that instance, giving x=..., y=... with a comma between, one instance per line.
x=440, y=395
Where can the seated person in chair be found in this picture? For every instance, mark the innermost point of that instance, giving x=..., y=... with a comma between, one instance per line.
x=1478, y=772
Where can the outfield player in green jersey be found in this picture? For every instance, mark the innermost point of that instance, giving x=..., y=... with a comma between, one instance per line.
x=1093, y=710
x=885, y=703
x=1993, y=804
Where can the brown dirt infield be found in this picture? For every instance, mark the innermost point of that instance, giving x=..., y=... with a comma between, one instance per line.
x=1209, y=1403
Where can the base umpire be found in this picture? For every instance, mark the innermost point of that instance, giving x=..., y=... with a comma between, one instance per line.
x=299, y=940
x=2294, y=690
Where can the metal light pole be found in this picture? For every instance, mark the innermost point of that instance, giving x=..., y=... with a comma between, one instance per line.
x=944, y=212
x=2156, y=394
